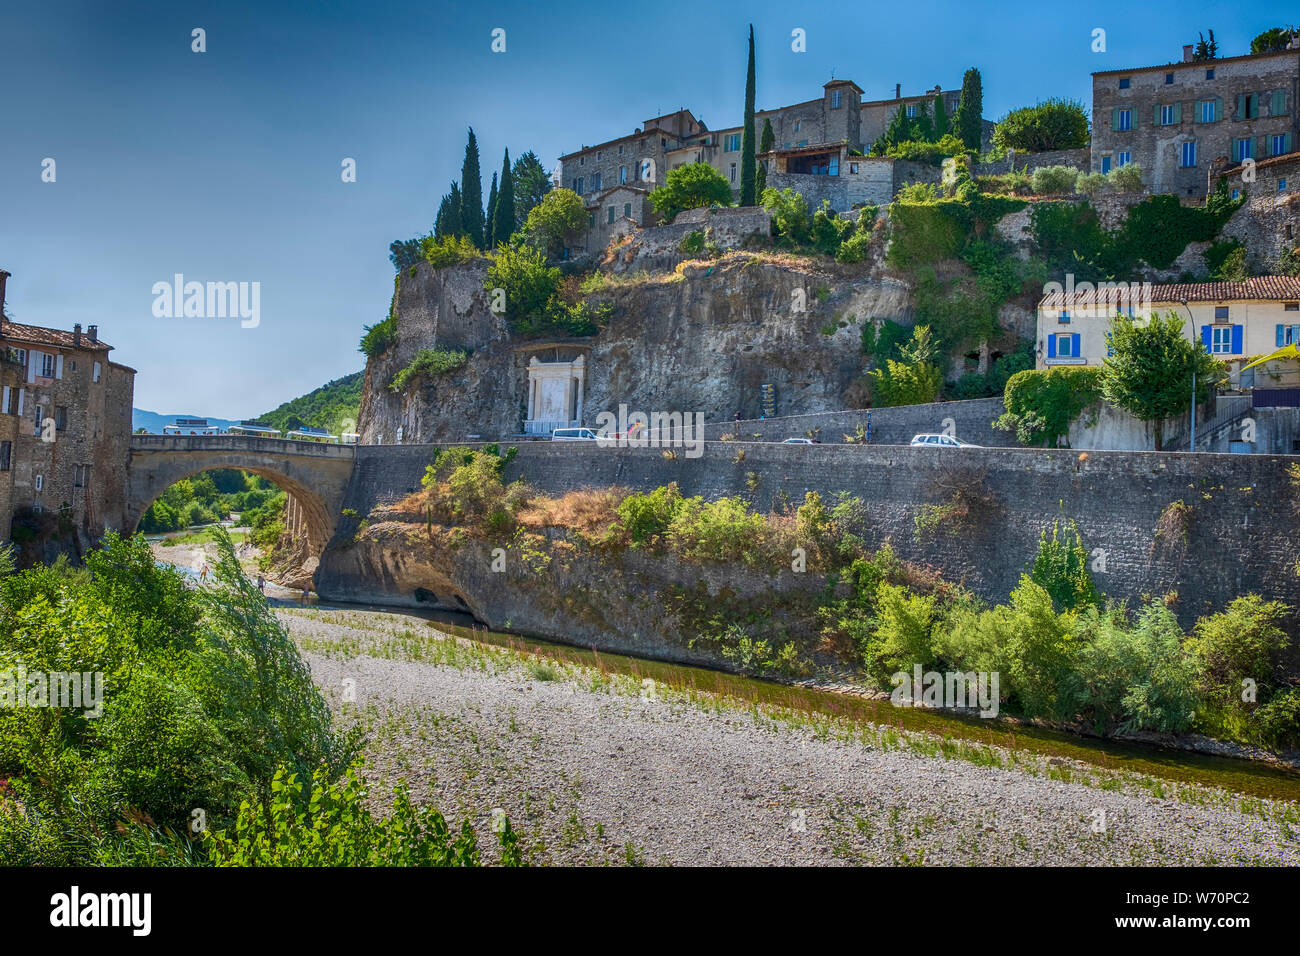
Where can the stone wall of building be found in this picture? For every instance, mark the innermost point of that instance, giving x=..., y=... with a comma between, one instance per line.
x=1269, y=220
x=1157, y=148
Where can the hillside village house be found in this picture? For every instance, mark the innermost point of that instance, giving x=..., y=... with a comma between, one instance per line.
x=819, y=146
x=1177, y=120
x=1237, y=322
x=65, y=426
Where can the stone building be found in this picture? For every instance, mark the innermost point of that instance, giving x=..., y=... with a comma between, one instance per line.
x=1271, y=221
x=818, y=151
x=65, y=427
x=1177, y=120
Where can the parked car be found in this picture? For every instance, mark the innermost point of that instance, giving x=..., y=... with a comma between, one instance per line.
x=799, y=441
x=942, y=441
x=573, y=434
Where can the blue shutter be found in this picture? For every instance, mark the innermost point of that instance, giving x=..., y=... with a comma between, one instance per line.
x=1051, y=346
x=1281, y=336
x=1295, y=334
x=1074, y=345
x=1236, y=340
x=1206, y=338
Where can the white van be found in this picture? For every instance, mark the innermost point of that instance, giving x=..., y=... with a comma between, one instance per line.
x=573, y=434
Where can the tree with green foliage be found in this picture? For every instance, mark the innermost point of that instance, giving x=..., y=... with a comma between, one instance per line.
x=765, y=144
x=559, y=216
x=471, y=193
x=531, y=182
x=1206, y=49
x=1149, y=373
x=941, y=124
x=404, y=253
x=1272, y=40
x=912, y=380
x=1061, y=568
x=503, y=217
x=969, y=119
x=1041, y=404
x=693, y=186
x=448, y=223
x=488, y=228
x=748, y=180
x=1051, y=125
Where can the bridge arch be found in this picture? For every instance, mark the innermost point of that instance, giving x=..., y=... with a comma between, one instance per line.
x=314, y=475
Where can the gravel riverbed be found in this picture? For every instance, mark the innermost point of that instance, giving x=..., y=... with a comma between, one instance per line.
x=596, y=769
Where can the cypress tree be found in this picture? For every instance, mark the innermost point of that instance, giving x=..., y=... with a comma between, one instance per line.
x=765, y=144
x=969, y=121
x=503, y=221
x=940, y=117
x=491, y=212
x=471, y=193
x=448, y=221
x=748, y=180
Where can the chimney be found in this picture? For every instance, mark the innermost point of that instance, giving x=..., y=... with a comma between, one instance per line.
x=92, y=333
x=1187, y=53
x=898, y=91
x=76, y=335
x=3, y=276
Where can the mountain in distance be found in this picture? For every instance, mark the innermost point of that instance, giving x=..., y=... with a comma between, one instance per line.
x=334, y=406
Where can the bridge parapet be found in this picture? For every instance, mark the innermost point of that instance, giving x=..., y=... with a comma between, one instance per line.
x=241, y=443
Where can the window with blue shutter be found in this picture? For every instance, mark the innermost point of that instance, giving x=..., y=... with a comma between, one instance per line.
x=1206, y=339
x=1074, y=345
x=1281, y=336
x=1051, y=346
x=1236, y=340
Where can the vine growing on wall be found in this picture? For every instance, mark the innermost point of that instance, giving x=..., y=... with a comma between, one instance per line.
x=1042, y=404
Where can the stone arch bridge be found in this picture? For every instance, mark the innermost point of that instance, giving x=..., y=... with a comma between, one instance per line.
x=315, y=475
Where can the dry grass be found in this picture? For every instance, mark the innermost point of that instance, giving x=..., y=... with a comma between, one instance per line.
x=589, y=510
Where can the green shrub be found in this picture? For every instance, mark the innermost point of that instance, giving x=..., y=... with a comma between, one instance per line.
x=448, y=251
x=903, y=633
x=1042, y=404
x=1091, y=184
x=692, y=243
x=429, y=362
x=378, y=338
x=1242, y=642
x=791, y=219
x=1061, y=568
x=693, y=186
x=722, y=530
x=1040, y=651
x=1047, y=180
x=922, y=151
x=335, y=827
x=1126, y=178
x=645, y=516
x=1131, y=678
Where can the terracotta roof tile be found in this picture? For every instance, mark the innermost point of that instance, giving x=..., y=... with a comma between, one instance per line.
x=1262, y=288
x=35, y=335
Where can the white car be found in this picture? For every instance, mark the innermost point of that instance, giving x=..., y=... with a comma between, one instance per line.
x=798, y=441
x=573, y=434
x=942, y=441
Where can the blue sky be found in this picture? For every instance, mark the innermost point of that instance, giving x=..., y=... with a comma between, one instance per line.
x=225, y=165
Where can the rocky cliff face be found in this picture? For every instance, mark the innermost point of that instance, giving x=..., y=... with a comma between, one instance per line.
x=702, y=338
x=562, y=587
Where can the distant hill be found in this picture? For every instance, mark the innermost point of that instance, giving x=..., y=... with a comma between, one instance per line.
x=153, y=422
x=334, y=406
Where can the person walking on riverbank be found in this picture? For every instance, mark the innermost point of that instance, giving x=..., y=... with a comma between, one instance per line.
x=261, y=584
